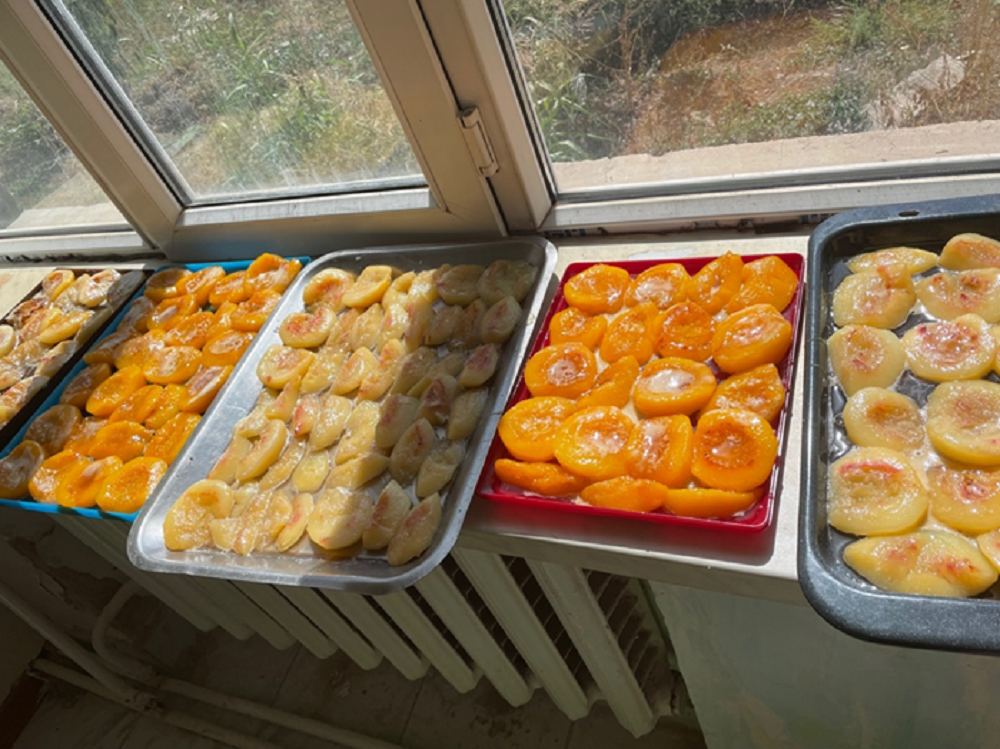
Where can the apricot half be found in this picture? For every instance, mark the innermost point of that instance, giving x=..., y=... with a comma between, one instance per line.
x=597, y=289
x=613, y=386
x=716, y=283
x=170, y=312
x=52, y=428
x=127, y=489
x=528, y=429
x=191, y=331
x=685, y=330
x=42, y=486
x=753, y=336
x=673, y=386
x=80, y=483
x=226, y=348
x=625, y=493
x=229, y=289
x=661, y=449
x=201, y=283
x=759, y=390
x=168, y=405
x=591, y=442
x=170, y=438
x=630, y=333
x=664, y=285
x=573, y=325
x=164, y=284
x=709, y=503
x=547, y=479
x=138, y=406
x=567, y=370
x=17, y=468
x=111, y=393
x=124, y=439
x=270, y=273
x=251, y=315
x=767, y=280
x=82, y=385
x=173, y=364
x=734, y=450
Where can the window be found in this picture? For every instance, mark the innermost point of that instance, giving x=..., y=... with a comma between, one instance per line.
x=246, y=98
x=720, y=94
x=42, y=184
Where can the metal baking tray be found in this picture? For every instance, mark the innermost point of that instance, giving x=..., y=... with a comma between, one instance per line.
x=12, y=428
x=841, y=596
x=50, y=397
x=368, y=574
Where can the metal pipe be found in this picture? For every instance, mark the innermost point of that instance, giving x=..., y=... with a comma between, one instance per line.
x=93, y=665
x=180, y=720
x=126, y=666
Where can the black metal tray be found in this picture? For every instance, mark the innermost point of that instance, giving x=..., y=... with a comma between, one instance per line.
x=837, y=593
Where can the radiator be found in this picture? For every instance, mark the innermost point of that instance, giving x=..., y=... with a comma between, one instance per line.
x=580, y=635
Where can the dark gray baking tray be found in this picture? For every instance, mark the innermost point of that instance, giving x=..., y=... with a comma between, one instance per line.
x=841, y=596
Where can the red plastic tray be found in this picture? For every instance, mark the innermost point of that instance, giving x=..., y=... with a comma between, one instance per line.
x=752, y=520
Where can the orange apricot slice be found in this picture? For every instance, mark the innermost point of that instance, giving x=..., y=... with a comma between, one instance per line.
x=42, y=486
x=547, y=479
x=270, y=273
x=191, y=331
x=173, y=364
x=625, y=493
x=613, y=386
x=17, y=468
x=226, y=348
x=529, y=428
x=229, y=289
x=80, y=483
x=715, y=284
x=685, y=330
x=664, y=285
x=573, y=325
x=251, y=315
x=734, y=450
x=127, y=489
x=767, y=280
x=759, y=390
x=164, y=284
x=52, y=428
x=591, y=442
x=222, y=319
x=111, y=393
x=200, y=283
x=171, y=311
x=170, y=438
x=709, y=503
x=82, y=385
x=673, y=386
x=126, y=439
x=202, y=388
x=135, y=351
x=660, y=449
x=79, y=440
x=598, y=289
x=168, y=405
x=755, y=335
x=567, y=370
x=138, y=406
x=631, y=333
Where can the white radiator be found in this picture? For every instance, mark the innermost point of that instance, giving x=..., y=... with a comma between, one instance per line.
x=579, y=635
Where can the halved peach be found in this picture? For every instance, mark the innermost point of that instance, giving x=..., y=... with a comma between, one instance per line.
x=664, y=285
x=80, y=438
x=168, y=405
x=755, y=335
x=170, y=312
x=229, y=289
x=613, y=386
x=597, y=289
x=171, y=437
x=716, y=283
x=173, y=364
x=630, y=333
x=767, y=280
x=661, y=449
x=135, y=351
x=625, y=493
x=591, y=442
x=42, y=485
x=547, y=479
x=127, y=489
x=226, y=348
x=734, y=450
x=709, y=503
x=528, y=429
x=759, y=390
x=222, y=319
x=673, y=386
x=270, y=273
x=80, y=484
x=203, y=387
x=201, y=283
x=574, y=325
x=164, y=284
x=251, y=315
x=111, y=393
x=685, y=330
x=125, y=439
x=191, y=331
x=567, y=370
x=138, y=406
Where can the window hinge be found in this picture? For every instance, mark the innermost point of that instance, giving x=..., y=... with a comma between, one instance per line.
x=478, y=141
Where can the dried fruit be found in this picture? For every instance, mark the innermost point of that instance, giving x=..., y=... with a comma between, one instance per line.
x=171, y=437
x=716, y=283
x=250, y=316
x=359, y=471
x=127, y=489
x=339, y=517
x=226, y=348
x=311, y=472
x=281, y=364
x=359, y=366
x=759, y=390
x=330, y=422
x=201, y=283
x=226, y=466
x=52, y=428
x=753, y=336
x=685, y=331
x=369, y=287
x=566, y=370
x=164, y=284
x=64, y=326
x=282, y=469
x=661, y=449
x=630, y=334
x=191, y=331
x=767, y=280
x=592, y=442
x=124, y=439
x=528, y=429
x=139, y=406
x=269, y=273
x=42, y=486
x=168, y=405
x=597, y=289
x=416, y=532
x=328, y=287
x=135, y=352
x=574, y=325
x=79, y=485
x=506, y=278
x=613, y=386
x=228, y=289
x=112, y=392
x=203, y=387
x=458, y=284
x=170, y=312
x=390, y=511
x=295, y=526
x=673, y=386
x=709, y=503
x=546, y=479
x=186, y=524
x=265, y=451
x=625, y=493
x=17, y=468
x=173, y=364
x=733, y=450
x=914, y=260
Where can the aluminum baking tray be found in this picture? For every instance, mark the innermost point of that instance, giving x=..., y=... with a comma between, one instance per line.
x=841, y=596
x=753, y=520
x=368, y=574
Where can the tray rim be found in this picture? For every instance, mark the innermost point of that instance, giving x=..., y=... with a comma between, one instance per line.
x=767, y=503
x=948, y=624
x=417, y=569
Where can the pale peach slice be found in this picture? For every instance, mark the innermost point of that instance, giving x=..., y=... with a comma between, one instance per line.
x=411, y=450
x=480, y=366
x=450, y=365
x=439, y=468
x=965, y=251
x=379, y=380
x=305, y=415
x=56, y=282
x=225, y=467
x=7, y=339
x=325, y=367
x=359, y=432
x=283, y=406
x=506, y=278
x=311, y=472
x=435, y=403
x=265, y=451
x=253, y=524
x=281, y=364
x=330, y=422
x=359, y=471
x=466, y=332
x=339, y=517
x=369, y=287
x=186, y=524
x=398, y=412
x=419, y=315
x=328, y=287
x=457, y=285
x=424, y=285
x=64, y=326
x=137, y=318
x=360, y=364
x=391, y=510
x=413, y=368
x=223, y=532
x=365, y=331
x=441, y=326
x=466, y=412
x=302, y=507
x=282, y=469
x=394, y=323
x=254, y=422
x=307, y=329
x=416, y=532
x=500, y=320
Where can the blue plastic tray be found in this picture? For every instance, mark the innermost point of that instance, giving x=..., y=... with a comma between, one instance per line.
x=30, y=504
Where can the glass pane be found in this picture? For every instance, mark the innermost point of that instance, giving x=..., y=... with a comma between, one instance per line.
x=42, y=184
x=250, y=96
x=640, y=91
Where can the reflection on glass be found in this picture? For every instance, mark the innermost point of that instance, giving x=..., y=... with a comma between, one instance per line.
x=657, y=78
x=246, y=95
x=42, y=184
